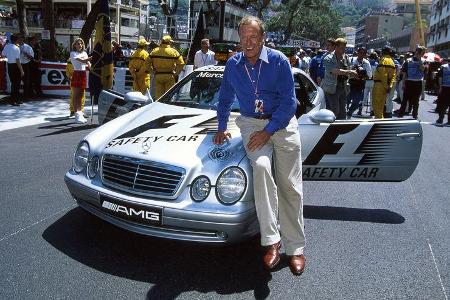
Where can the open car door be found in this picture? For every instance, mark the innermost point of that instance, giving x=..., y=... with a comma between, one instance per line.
x=359, y=150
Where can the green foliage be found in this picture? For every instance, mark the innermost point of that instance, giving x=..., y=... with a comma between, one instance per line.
x=315, y=20
x=352, y=14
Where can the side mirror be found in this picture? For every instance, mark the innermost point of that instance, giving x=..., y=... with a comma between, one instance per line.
x=138, y=97
x=323, y=116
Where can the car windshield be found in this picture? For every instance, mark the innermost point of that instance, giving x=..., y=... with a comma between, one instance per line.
x=199, y=90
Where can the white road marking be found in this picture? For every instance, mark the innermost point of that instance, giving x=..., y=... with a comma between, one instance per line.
x=437, y=270
x=35, y=223
x=429, y=245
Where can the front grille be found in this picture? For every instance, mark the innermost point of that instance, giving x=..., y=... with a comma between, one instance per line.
x=141, y=177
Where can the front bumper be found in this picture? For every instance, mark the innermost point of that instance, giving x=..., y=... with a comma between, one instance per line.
x=179, y=220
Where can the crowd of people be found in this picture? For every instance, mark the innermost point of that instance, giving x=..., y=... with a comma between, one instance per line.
x=23, y=68
x=374, y=80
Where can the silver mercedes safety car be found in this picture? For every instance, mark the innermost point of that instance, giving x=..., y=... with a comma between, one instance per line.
x=152, y=168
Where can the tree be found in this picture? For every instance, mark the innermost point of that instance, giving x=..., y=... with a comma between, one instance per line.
x=315, y=20
x=49, y=46
x=21, y=15
x=258, y=5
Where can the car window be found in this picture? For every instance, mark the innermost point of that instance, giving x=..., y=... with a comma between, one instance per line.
x=311, y=89
x=305, y=91
x=199, y=90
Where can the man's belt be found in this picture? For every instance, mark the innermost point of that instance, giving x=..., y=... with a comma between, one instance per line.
x=377, y=80
x=263, y=117
x=171, y=73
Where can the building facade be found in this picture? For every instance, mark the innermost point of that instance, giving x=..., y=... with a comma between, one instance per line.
x=128, y=19
x=377, y=26
x=439, y=36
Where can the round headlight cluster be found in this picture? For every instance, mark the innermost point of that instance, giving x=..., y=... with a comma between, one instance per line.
x=200, y=188
x=231, y=185
x=81, y=157
x=93, y=167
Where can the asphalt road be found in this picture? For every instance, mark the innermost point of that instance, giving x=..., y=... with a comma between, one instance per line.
x=364, y=240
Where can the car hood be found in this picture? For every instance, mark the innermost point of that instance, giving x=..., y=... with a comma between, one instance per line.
x=174, y=135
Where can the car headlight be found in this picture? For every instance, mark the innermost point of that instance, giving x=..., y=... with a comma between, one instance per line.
x=231, y=185
x=200, y=188
x=81, y=156
x=93, y=167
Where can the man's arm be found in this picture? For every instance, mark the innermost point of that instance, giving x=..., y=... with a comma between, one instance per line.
x=226, y=99
x=180, y=64
x=331, y=67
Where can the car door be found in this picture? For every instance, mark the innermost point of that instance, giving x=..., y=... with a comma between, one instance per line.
x=359, y=150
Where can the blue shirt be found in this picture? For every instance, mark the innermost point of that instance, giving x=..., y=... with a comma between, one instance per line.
x=275, y=88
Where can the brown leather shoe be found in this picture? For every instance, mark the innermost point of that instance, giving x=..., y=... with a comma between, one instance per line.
x=272, y=256
x=297, y=264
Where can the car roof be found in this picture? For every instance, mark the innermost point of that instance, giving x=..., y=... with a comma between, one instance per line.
x=222, y=68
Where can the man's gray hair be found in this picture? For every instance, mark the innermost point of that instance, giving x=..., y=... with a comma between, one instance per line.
x=249, y=19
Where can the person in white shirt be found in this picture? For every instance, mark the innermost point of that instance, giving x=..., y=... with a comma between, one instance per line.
x=15, y=70
x=128, y=52
x=204, y=57
x=26, y=56
x=80, y=60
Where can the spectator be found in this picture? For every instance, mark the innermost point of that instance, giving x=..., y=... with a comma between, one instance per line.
x=117, y=52
x=334, y=83
x=204, y=56
x=314, y=67
x=15, y=70
x=34, y=67
x=373, y=60
x=127, y=52
x=330, y=45
x=443, y=102
x=413, y=74
x=167, y=63
x=357, y=85
x=26, y=56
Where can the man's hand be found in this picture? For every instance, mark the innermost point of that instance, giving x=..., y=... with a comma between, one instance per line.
x=220, y=137
x=257, y=140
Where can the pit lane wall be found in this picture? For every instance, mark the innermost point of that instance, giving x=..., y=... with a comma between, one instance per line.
x=54, y=80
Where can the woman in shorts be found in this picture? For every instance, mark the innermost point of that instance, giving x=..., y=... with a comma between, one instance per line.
x=80, y=60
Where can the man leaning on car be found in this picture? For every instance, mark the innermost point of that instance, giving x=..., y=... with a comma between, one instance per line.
x=261, y=79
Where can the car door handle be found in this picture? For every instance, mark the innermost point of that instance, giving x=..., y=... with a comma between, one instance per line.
x=408, y=135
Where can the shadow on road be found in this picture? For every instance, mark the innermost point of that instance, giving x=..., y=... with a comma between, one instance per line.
x=170, y=268
x=66, y=128
x=352, y=214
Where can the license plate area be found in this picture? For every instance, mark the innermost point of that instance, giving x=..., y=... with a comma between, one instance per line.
x=133, y=212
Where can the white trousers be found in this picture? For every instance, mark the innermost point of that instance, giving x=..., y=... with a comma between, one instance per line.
x=278, y=196
x=367, y=100
x=390, y=102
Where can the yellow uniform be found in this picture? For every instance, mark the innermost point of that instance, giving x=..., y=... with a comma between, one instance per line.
x=69, y=73
x=384, y=81
x=166, y=63
x=139, y=71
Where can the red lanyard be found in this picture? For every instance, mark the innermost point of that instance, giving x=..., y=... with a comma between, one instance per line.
x=251, y=79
